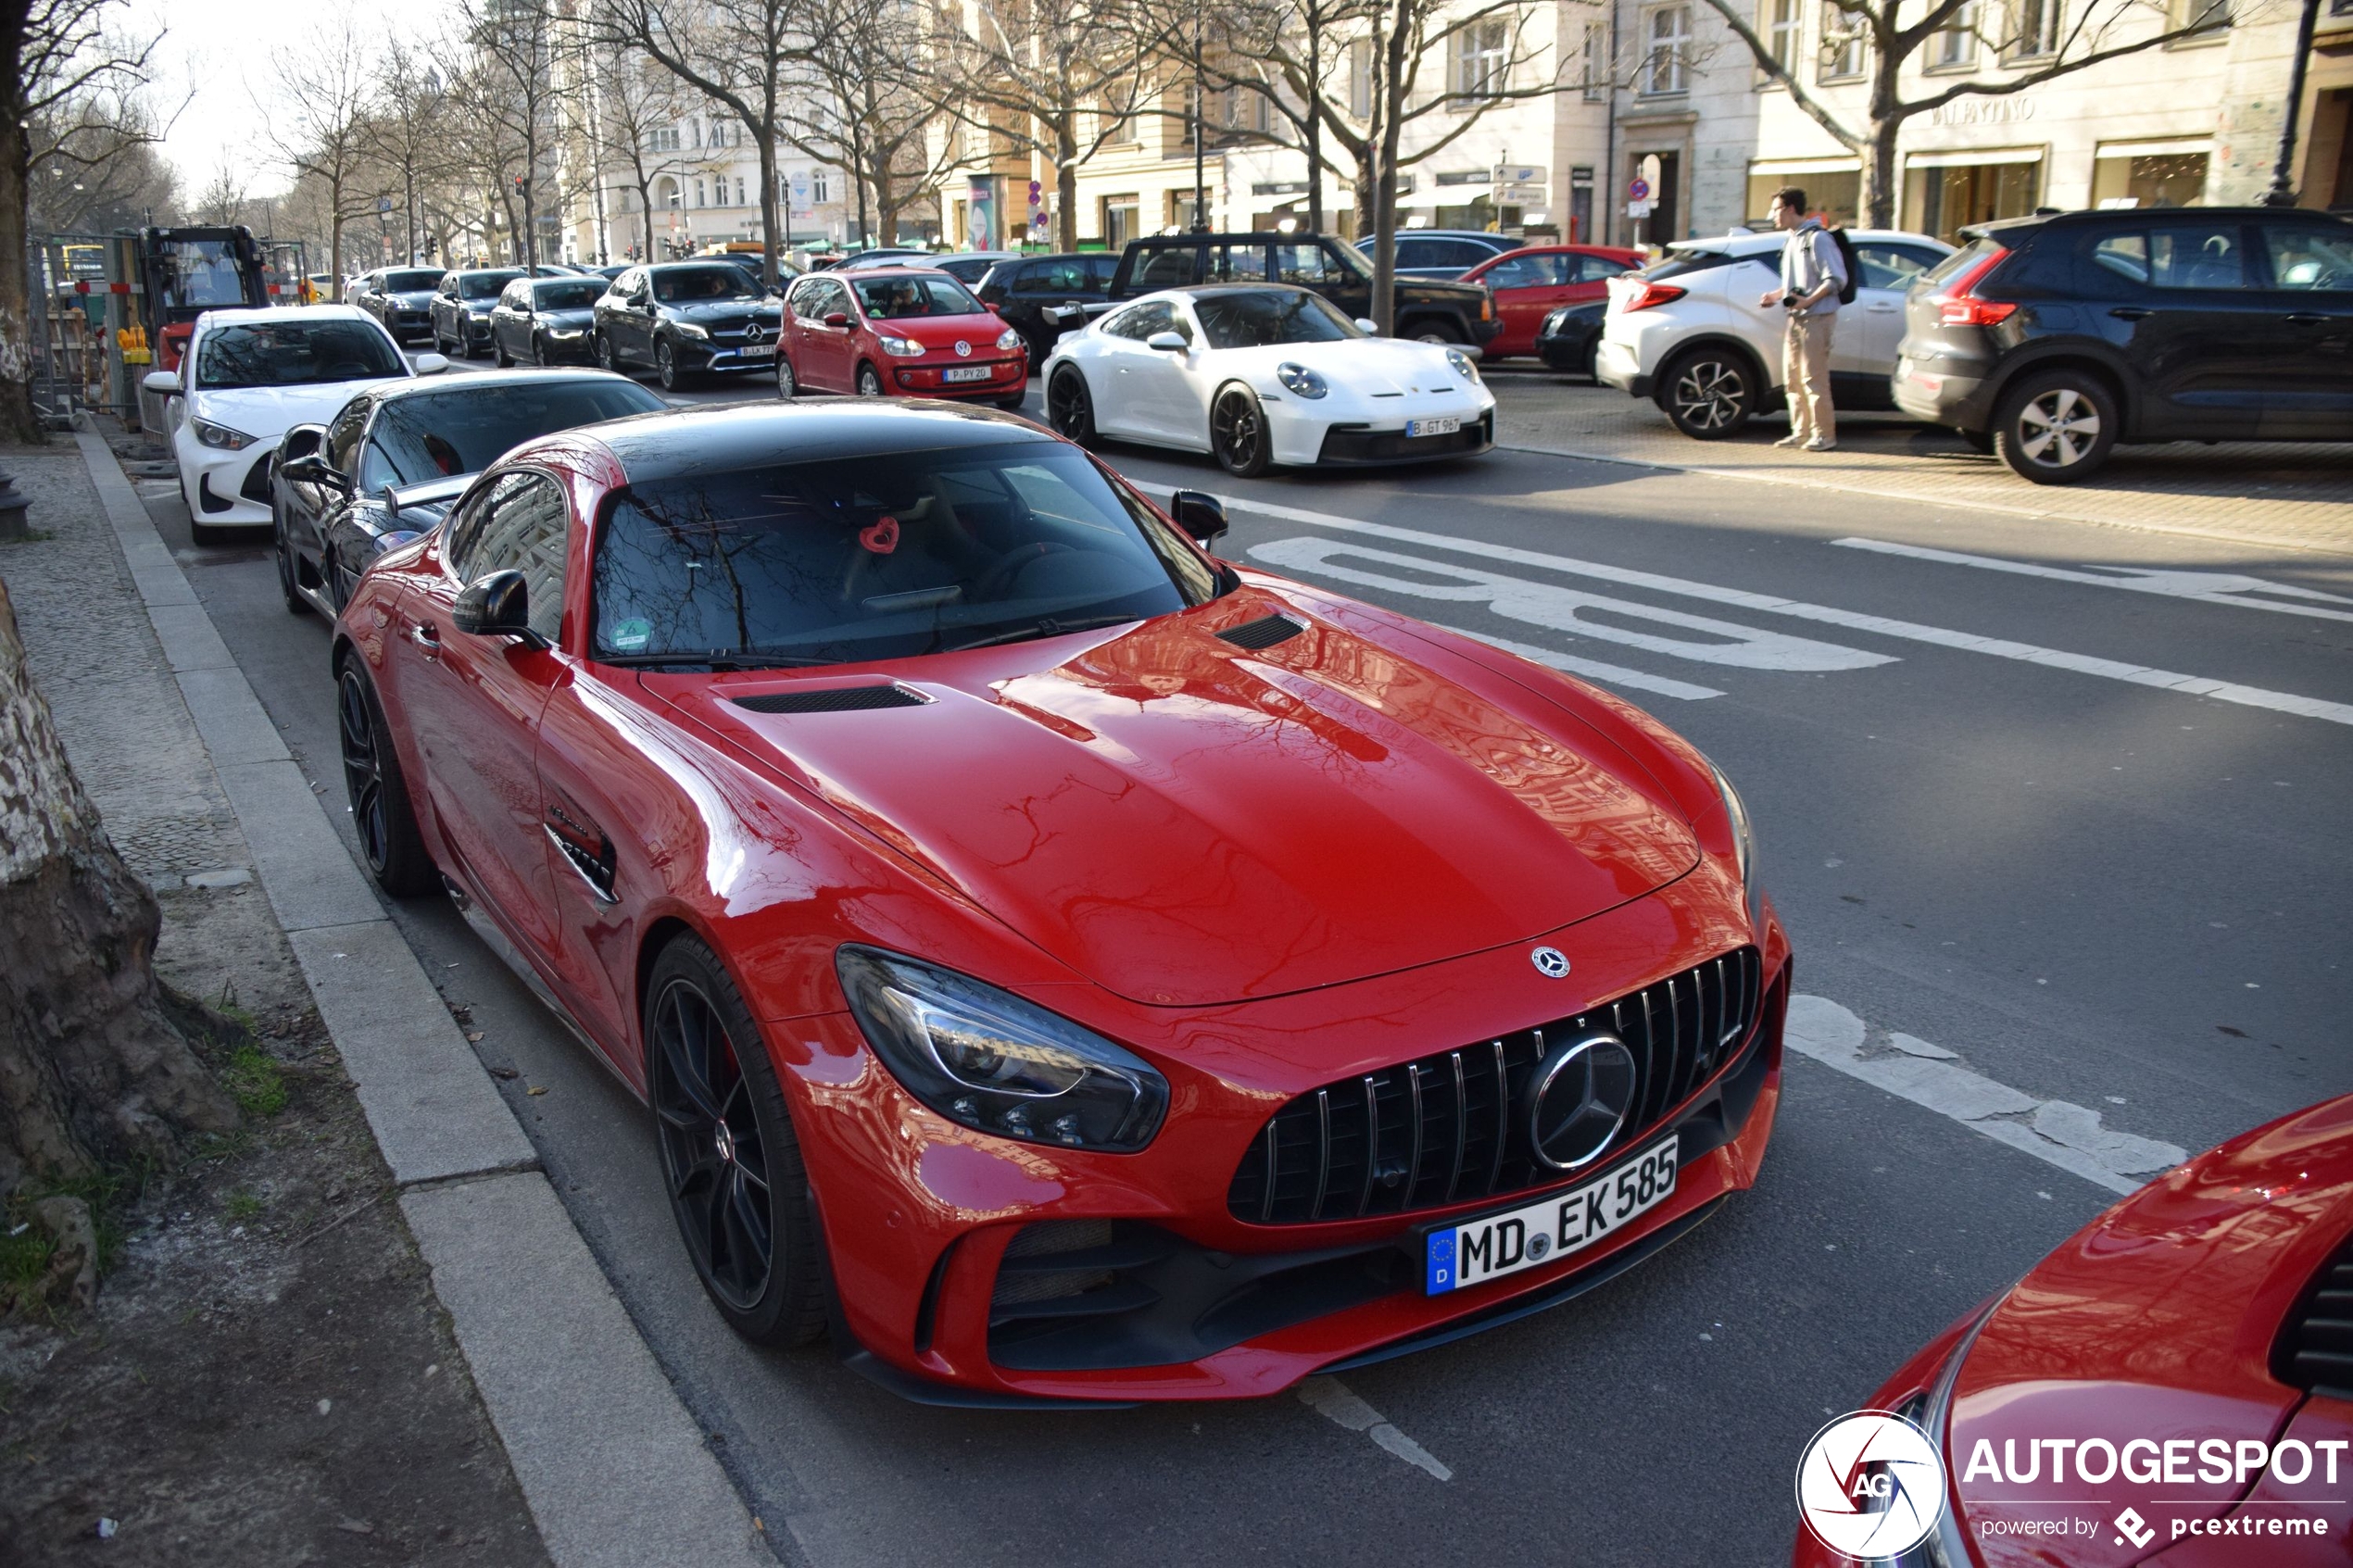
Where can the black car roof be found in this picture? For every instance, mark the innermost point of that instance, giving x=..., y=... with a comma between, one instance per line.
x=434, y=386
x=1265, y=236
x=2093, y=217
x=729, y=437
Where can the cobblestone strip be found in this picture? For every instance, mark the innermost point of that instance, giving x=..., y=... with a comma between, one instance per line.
x=611, y=1462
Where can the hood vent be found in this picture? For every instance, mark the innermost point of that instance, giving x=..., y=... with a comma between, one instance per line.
x=833, y=699
x=1263, y=633
x=2315, y=1348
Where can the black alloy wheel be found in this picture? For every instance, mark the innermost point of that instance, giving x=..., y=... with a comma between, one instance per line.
x=666, y=365
x=1238, y=432
x=539, y=355
x=1070, y=409
x=499, y=354
x=869, y=382
x=788, y=383
x=1709, y=394
x=289, y=572
x=607, y=359
x=380, y=813
x=732, y=1168
x=2056, y=427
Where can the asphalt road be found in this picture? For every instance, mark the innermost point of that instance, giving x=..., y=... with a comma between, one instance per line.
x=1987, y=829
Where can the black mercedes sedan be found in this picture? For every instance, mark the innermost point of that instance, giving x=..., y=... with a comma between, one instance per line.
x=392, y=462
x=685, y=318
x=546, y=322
x=462, y=307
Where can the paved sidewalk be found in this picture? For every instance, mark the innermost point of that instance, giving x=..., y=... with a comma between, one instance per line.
x=2287, y=496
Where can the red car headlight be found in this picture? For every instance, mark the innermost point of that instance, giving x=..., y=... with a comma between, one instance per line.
x=989, y=1061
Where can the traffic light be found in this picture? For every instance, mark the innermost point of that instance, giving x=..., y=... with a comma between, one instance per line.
x=522, y=184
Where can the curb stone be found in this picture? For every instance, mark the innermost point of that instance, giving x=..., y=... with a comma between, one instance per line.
x=613, y=1468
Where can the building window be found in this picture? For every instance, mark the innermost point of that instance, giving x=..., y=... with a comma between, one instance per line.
x=1780, y=19
x=1844, y=44
x=820, y=188
x=2205, y=16
x=1482, y=60
x=1360, y=79
x=2149, y=175
x=1666, y=63
x=1954, y=45
x=2038, y=29
x=1595, y=75
x=699, y=192
x=663, y=139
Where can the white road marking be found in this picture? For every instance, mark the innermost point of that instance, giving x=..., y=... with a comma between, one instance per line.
x=1909, y=630
x=2066, y=1135
x=2208, y=587
x=1592, y=668
x=1331, y=1399
x=1568, y=609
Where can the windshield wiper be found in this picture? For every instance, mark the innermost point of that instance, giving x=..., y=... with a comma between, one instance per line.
x=716, y=659
x=1044, y=626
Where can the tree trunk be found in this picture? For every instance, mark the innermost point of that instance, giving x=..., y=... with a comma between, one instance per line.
x=18, y=421
x=1878, y=198
x=334, y=243
x=766, y=141
x=92, y=1071
x=1315, y=117
x=1066, y=187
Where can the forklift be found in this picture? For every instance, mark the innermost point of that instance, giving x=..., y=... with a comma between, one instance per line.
x=185, y=271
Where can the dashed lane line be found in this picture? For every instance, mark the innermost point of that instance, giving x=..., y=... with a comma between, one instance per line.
x=2070, y=1136
x=2205, y=588
x=1331, y=1399
x=1907, y=630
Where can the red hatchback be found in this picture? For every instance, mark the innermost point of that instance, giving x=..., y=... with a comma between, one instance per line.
x=1531, y=284
x=905, y=331
x=1080, y=967
x=2174, y=1386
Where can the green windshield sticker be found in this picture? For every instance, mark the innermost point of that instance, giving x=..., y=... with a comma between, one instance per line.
x=629, y=636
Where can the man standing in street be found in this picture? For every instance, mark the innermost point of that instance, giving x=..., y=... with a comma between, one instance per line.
x=1812, y=275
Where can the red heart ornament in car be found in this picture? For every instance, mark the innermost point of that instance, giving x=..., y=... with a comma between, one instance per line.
x=883, y=538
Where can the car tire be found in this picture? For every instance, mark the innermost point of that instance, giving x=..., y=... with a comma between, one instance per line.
x=1433, y=329
x=607, y=359
x=1237, y=434
x=666, y=370
x=376, y=789
x=787, y=381
x=1708, y=392
x=211, y=535
x=2056, y=428
x=541, y=354
x=719, y=1112
x=870, y=382
x=288, y=569
x=499, y=354
x=1015, y=404
x=1070, y=407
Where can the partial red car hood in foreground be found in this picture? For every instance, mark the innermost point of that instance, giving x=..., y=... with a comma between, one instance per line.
x=1188, y=822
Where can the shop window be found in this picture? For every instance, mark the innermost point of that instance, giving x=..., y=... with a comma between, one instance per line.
x=1835, y=193
x=1940, y=200
x=2121, y=178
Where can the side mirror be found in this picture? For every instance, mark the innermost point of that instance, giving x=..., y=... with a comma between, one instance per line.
x=498, y=606
x=301, y=441
x=311, y=469
x=163, y=384
x=1169, y=343
x=431, y=364
x=1368, y=324
x=1199, y=514
x=837, y=319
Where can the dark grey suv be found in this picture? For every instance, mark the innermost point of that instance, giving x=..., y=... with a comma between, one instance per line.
x=2053, y=339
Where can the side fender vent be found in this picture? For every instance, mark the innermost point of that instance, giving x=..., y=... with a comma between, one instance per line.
x=2315, y=1346
x=833, y=699
x=1263, y=633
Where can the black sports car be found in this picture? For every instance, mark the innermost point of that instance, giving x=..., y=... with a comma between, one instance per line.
x=391, y=463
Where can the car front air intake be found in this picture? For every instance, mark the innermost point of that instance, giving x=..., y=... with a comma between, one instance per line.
x=831, y=699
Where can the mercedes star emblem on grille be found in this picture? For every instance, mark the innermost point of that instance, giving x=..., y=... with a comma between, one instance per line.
x=1584, y=1092
x=751, y=334
x=1551, y=963
x=963, y=350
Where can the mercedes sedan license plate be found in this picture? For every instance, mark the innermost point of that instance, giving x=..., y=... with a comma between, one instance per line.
x=758, y=351
x=965, y=372
x=1440, y=425
x=1478, y=1250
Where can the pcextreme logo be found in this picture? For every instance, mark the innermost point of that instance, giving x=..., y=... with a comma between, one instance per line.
x=1870, y=1486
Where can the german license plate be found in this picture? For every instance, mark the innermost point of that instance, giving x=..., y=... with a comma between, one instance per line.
x=1494, y=1245
x=967, y=373
x=1440, y=425
x=758, y=351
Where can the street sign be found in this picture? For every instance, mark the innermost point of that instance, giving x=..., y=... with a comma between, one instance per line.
x=384, y=204
x=1638, y=190
x=1638, y=210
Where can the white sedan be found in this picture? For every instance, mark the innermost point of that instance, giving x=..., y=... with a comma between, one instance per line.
x=1259, y=374
x=248, y=377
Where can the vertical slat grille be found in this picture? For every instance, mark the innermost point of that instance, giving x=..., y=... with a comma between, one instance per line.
x=2315, y=1346
x=1453, y=1126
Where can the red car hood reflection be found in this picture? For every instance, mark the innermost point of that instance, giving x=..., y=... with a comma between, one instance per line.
x=2157, y=1321
x=1189, y=823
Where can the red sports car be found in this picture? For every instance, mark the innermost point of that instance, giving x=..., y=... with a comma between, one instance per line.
x=1105, y=973
x=1531, y=283
x=901, y=330
x=2172, y=1386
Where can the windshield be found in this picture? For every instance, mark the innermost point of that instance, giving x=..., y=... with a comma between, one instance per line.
x=567, y=296
x=898, y=299
x=881, y=557
x=292, y=353
x=201, y=272
x=464, y=430
x=412, y=282
x=689, y=285
x=483, y=285
x=1261, y=321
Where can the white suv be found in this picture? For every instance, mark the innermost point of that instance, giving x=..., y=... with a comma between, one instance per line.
x=1688, y=332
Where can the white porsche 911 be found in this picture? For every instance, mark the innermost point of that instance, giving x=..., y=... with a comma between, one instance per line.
x=1259, y=374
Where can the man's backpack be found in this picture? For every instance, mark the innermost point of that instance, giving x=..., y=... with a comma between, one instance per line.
x=1851, y=263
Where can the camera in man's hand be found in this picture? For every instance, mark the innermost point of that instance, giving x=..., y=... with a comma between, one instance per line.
x=1793, y=301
